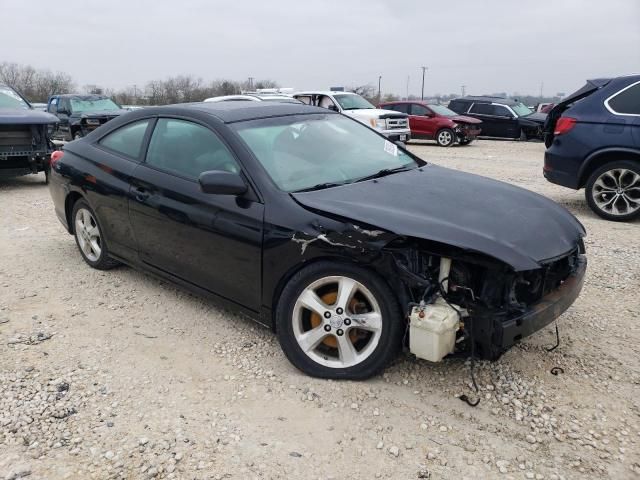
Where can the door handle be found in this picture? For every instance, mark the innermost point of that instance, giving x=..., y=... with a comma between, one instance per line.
x=141, y=194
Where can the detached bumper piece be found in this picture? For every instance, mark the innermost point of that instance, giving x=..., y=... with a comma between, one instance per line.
x=494, y=334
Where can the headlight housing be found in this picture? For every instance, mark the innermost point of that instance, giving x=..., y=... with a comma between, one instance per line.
x=379, y=123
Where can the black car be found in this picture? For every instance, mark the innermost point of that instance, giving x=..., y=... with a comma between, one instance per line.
x=81, y=114
x=320, y=228
x=24, y=141
x=593, y=142
x=501, y=117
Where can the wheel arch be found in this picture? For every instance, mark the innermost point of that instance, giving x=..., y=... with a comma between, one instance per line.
x=398, y=290
x=601, y=157
x=69, y=201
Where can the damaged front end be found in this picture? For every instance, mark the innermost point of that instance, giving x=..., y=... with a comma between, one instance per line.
x=24, y=149
x=460, y=303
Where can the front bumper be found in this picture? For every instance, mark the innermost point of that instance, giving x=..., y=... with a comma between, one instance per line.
x=403, y=135
x=498, y=334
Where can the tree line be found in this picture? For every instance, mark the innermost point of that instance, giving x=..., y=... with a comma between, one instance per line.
x=37, y=85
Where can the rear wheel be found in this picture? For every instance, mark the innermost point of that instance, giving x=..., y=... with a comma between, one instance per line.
x=89, y=238
x=613, y=191
x=445, y=137
x=338, y=321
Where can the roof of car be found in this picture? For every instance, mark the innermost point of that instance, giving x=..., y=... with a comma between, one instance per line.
x=89, y=96
x=256, y=97
x=230, y=112
x=488, y=99
x=324, y=92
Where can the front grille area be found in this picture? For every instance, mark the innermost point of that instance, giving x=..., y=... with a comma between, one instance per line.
x=532, y=286
x=397, y=123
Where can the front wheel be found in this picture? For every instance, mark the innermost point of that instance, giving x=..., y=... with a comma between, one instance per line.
x=613, y=191
x=445, y=137
x=338, y=321
x=89, y=237
x=466, y=141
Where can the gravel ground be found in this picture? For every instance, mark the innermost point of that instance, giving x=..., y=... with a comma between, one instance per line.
x=118, y=375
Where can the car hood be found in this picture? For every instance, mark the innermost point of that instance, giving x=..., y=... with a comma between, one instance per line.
x=99, y=114
x=374, y=113
x=463, y=119
x=511, y=224
x=537, y=117
x=20, y=116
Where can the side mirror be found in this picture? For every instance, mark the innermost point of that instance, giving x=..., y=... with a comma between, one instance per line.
x=333, y=107
x=222, y=183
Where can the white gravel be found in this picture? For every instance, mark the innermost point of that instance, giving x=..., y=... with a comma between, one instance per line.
x=114, y=375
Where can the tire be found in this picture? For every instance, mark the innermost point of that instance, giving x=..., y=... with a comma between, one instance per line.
x=46, y=176
x=339, y=347
x=466, y=142
x=445, y=137
x=613, y=191
x=523, y=135
x=90, y=241
x=77, y=135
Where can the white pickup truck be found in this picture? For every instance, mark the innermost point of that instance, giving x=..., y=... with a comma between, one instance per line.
x=394, y=125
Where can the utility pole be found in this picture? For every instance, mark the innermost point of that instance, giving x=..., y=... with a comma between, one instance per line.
x=423, y=70
x=379, y=82
x=135, y=94
x=541, y=87
x=464, y=89
x=250, y=84
x=408, y=77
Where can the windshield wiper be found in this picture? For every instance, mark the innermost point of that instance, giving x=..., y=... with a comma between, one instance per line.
x=384, y=172
x=319, y=186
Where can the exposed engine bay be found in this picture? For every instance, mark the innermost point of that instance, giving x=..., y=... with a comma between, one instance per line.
x=482, y=306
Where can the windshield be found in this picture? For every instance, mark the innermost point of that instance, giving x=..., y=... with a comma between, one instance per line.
x=521, y=109
x=302, y=151
x=97, y=105
x=352, y=101
x=10, y=99
x=442, y=110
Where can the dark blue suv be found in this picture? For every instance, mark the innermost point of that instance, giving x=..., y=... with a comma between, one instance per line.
x=593, y=142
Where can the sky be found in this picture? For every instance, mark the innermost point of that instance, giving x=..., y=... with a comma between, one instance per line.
x=489, y=46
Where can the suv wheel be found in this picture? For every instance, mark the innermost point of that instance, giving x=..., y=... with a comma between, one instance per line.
x=613, y=191
x=445, y=137
x=89, y=237
x=338, y=321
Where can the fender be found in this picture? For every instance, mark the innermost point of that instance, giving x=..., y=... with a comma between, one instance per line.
x=593, y=157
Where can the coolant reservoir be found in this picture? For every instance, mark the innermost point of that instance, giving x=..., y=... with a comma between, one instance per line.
x=433, y=336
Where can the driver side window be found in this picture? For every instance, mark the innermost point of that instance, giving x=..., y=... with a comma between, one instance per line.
x=419, y=110
x=188, y=149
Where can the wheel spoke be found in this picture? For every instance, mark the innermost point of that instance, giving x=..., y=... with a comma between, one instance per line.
x=95, y=247
x=310, y=300
x=93, y=232
x=310, y=340
x=346, y=350
x=86, y=218
x=371, y=321
x=346, y=290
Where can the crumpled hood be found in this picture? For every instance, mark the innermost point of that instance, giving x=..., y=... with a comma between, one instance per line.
x=537, y=117
x=463, y=119
x=21, y=116
x=509, y=223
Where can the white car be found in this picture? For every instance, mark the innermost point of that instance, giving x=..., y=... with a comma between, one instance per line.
x=254, y=97
x=394, y=125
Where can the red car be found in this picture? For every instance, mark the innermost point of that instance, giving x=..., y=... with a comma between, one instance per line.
x=436, y=122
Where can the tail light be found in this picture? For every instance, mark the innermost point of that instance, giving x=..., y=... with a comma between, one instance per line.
x=55, y=156
x=564, y=125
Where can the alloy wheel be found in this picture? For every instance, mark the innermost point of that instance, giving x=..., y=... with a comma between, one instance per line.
x=617, y=192
x=445, y=138
x=88, y=235
x=337, y=322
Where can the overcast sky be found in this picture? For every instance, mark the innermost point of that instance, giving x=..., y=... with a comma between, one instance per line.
x=489, y=46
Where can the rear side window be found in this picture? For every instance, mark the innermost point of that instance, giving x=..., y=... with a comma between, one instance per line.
x=188, y=149
x=459, y=106
x=397, y=107
x=127, y=140
x=627, y=101
x=501, y=111
x=482, y=109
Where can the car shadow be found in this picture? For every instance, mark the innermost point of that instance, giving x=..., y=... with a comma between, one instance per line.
x=23, y=182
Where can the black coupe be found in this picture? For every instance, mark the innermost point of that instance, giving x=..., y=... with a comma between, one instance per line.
x=344, y=243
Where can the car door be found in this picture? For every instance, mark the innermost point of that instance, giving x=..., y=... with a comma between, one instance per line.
x=64, y=124
x=505, y=122
x=212, y=241
x=424, y=121
x=485, y=112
